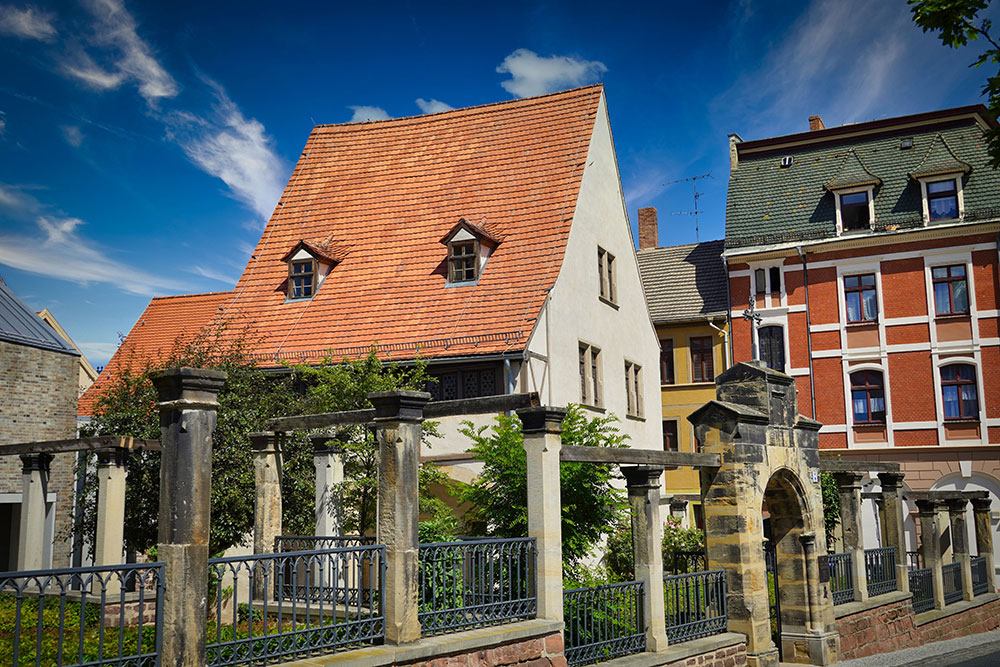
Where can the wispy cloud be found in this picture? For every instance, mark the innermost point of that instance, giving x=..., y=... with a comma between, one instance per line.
x=72, y=134
x=212, y=274
x=532, y=74
x=27, y=23
x=83, y=68
x=363, y=113
x=98, y=353
x=432, y=105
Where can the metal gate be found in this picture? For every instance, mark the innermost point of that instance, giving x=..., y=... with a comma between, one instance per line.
x=773, y=601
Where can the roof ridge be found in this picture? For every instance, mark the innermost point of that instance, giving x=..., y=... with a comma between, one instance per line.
x=185, y=296
x=366, y=123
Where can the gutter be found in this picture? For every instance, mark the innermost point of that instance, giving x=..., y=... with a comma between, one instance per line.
x=809, y=339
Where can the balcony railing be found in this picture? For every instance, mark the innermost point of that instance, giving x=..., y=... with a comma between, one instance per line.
x=695, y=605
x=922, y=588
x=603, y=622
x=880, y=569
x=952, y=576
x=841, y=578
x=980, y=576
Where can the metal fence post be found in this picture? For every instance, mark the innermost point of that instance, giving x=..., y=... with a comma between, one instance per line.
x=187, y=419
x=643, y=484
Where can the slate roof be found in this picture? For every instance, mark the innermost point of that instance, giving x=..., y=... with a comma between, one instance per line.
x=167, y=322
x=684, y=282
x=940, y=159
x=391, y=190
x=852, y=173
x=768, y=204
x=20, y=325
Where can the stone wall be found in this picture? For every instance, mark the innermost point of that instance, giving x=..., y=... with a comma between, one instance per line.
x=38, y=391
x=983, y=618
x=534, y=652
x=731, y=656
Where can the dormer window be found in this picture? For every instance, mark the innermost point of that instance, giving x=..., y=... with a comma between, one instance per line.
x=942, y=200
x=462, y=264
x=469, y=248
x=854, y=211
x=301, y=278
x=309, y=263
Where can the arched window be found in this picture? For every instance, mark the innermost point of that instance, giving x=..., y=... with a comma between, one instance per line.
x=868, y=397
x=958, y=392
x=772, y=347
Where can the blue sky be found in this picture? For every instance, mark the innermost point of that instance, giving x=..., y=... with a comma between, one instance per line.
x=144, y=145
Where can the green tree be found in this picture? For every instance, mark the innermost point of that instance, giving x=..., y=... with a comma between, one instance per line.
x=956, y=23
x=831, y=505
x=499, y=495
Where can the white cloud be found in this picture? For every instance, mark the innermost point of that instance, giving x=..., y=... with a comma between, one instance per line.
x=27, y=23
x=72, y=134
x=16, y=203
x=211, y=274
x=363, y=113
x=432, y=105
x=82, y=67
x=534, y=75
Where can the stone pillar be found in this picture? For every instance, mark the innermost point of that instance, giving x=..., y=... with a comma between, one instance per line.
x=930, y=545
x=188, y=403
x=329, y=461
x=892, y=524
x=542, y=429
x=644, y=498
x=960, y=542
x=110, y=545
x=267, y=463
x=944, y=534
x=679, y=510
x=984, y=537
x=34, y=490
x=849, y=484
x=398, y=418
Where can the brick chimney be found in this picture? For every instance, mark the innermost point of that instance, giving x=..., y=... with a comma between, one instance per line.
x=816, y=123
x=648, y=234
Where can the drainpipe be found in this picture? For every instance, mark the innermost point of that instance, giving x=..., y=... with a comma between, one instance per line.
x=809, y=338
x=729, y=310
x=725, y=335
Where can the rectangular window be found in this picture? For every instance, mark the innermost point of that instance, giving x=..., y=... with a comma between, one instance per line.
x=951, y=290
x=606, y=275
x=854, y=213
x=701, y=359
x=666, y=362
x=450, y=385
x=590, y=375
x=670, y=435
x=633, y=389
x=958, y=389
x=867, y=397
x=942, y=200
x=462, y=261
x=760, y=281
x=775, y=276
x=301, y=279
x=859, y=294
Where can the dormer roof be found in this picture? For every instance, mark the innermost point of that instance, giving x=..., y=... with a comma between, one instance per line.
x=940, y=160
x=852, y=174
x=479, y=231
x=327, y=251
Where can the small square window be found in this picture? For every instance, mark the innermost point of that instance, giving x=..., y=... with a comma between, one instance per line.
x=854, y=212
x=942, y=200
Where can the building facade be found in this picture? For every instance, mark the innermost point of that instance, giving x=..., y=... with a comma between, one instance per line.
x=870, y=252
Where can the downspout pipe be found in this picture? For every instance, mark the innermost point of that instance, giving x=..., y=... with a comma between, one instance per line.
x=729, y=311
x=809, y=339
x=725, y=336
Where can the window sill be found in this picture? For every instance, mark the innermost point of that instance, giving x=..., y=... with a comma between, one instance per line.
x=595, y=408
x=681, y=385
x=608, y=302
x=952, y=316
x=869, y=424
x=862, y=323
x=856, y=232
x=960, y=420
x=637, y=418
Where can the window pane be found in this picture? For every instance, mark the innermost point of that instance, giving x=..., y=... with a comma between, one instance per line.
x=853, y=307
x=942, y=300
x=959, y=293
x=940, y=272
x=855, y=198
x=950, y=401
x=869, y=280
x=760, y=278
x=957, y=271
x=871, y=308
x=877, y=405
x=583, y=375
x=948, y=373
x=940, y=186
x=944, y=207
x=851, y=281
x=966, y=373
x=860, y=401
x=970, y=404
x=775, y=279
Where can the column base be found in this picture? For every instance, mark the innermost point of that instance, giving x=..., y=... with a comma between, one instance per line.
x=810, y=648
x=768, y=658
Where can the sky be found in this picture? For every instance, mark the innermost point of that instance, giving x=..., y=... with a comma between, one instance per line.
x=144, y=145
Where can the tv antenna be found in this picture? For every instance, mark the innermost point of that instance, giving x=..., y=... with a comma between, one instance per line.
x=697, y=196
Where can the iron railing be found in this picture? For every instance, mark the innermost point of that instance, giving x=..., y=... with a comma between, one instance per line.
x=922, y=588
x=683, y=562
x=475, y=583
x=284, y=543
x=841, y=578
x=256, y=616
x=695, y=605
x=913, y=560
x=952, y=577
x=292, y=585
x=880, y=570
x=603, y=622
x=980, y=576
x=82, y=616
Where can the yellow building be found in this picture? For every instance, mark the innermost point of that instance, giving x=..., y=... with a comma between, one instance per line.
x=686, y=292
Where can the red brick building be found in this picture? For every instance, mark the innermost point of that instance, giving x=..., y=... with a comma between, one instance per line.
x=871, y=251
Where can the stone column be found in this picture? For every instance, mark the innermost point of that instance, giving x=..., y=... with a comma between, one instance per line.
x=930, y=545
x=267, y=507
x=849, y=484
x=960, y=542
x=678, y=510
x=542, y=428
x=34, y=491
x=984, y=537
x=188, y=403
x=398, y=418
x=892, y=524
x=329, y=461
x=644, y=498
x=808, y=539
x=110, y=545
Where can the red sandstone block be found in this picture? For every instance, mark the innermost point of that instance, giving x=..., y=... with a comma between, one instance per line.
x=554, y=644
x=537, y=662
x=559, y=661
x=530, y=650
x=729, y=662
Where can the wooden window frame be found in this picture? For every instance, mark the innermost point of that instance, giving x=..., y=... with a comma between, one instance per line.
x=702, y=359
x=292, y=276
x=457, y=263
x=949, y=194
x=861, y=289
x=633, y=389
x=842, y=208
x=959, y=383
x=949, y=279
x=760, y=282
x=868, y=387
x=591, y=376
x=667, y=362
x=607, y=284
x=677, y=437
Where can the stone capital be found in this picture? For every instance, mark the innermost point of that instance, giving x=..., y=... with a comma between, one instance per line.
x=35, y=462
x=848, y=481
x=541, y=419
x=195, y=388
x=117, y=456
x=890, y=481
x=642, y=477
x=400, y=405
x=928, y=506
x=325, y=444
x=266, y=442
x=956, y=505
x=981, y=504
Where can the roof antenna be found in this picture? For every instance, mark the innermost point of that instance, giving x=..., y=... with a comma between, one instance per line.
x=697, y=196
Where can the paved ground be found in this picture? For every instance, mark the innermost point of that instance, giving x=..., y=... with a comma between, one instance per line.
x=974, y=651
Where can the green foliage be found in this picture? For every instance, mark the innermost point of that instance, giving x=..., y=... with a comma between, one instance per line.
x=831, y=505
x=956, y=23
x=437, y=520
x=676, y=538
x=590, y=504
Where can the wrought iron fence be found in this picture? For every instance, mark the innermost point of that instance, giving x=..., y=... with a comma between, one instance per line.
x=841, y=578
x=683, y=562
x=695, y=605
x=913, y=560
x=952, y=576
x=880, y=570
x=257, y=616
x=603, y=622
x=475, y=583
x=980, y=576
x=922, y=588
x=284, y=543
x=292, y=584
x=82, y=616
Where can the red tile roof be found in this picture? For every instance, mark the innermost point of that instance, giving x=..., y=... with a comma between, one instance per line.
x=390, y=190
x=167, y=321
